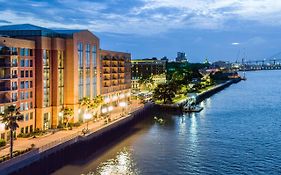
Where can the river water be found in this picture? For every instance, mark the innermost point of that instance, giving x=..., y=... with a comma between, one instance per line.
x=238, y=132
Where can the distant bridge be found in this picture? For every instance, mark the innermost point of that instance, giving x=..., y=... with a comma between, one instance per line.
x=271, y=63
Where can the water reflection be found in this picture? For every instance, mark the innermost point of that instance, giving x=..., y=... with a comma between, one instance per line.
x=193, y=129
x=122, y=164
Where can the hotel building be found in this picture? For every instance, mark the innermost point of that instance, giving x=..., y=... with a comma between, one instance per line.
x=148, y=68
x=116, y=77
x=67, y=68
x=17, y=81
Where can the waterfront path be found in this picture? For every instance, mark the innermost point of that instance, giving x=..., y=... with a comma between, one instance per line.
x=53, y=139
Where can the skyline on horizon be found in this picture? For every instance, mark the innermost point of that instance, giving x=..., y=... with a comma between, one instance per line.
x=212, y=29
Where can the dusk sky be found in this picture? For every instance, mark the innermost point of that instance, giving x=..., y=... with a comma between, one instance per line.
x=213, y=29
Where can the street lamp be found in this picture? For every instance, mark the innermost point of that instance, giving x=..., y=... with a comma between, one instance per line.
x=87, y=116
x=109, y=109
x=123, y=105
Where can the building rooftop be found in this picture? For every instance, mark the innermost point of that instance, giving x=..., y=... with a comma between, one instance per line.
x=32, y=30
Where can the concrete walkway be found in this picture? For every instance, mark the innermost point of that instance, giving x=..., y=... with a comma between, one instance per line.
x=53, y=139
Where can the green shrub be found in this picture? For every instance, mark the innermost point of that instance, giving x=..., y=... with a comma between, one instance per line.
x=2, y=142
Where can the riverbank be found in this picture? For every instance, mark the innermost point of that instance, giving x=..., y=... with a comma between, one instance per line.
x=55, y=155
x=201, y=96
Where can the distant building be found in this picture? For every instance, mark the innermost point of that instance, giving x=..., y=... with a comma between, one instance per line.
x=181, y=57
x=148, y=68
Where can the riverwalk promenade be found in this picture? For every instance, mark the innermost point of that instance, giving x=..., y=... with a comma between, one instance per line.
x=52, y=139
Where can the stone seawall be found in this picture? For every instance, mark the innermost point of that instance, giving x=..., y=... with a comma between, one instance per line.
x=81, y=146
x=202, y=96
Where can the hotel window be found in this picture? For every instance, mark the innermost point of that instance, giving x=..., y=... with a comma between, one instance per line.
x=88, y=83
x=80, y=55
x=22, y=95
x=26, y=105
x=81, y=84
x=21, y=106
x=26, y=117
x=26, y=85
x=46, y=58
x=88, y=55
x=21, y=51
x=15, y=62
x=26, y=95
x=14, y=96
x=61, y=75
x=46, y=78
x=26, y=52
x=26, y=63
x=22, y=84
x=22, y=62
x=80, y=68
x=31, y=115
x=94, y=62
x=22, y=74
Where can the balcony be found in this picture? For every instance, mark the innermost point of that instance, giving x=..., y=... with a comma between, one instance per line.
x=106, y=58
x=106, y=72
x=7, y=53
x=7, y=77
x=8, y=65
x=106, y=65
x=114, y=65
x=5, y=89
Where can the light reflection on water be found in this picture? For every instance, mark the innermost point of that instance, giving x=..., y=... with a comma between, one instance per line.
x=122, y=164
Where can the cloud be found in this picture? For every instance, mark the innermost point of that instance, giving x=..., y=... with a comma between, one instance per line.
x=234, y=44
x=143, y=17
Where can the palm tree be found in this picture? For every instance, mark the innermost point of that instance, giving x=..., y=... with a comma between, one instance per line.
x=68, y=113
x=10, y=117
x=96, y=102
x=85, y=102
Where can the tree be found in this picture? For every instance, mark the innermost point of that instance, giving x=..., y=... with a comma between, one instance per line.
x=10, y=117
x=85, y=102
x=96, y=103
x=68, y=113
x=165, y=92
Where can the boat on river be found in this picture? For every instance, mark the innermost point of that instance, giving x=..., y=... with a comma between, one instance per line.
x=193, y=108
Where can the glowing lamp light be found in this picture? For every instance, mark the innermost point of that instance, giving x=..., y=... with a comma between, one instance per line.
x=122, y=95
x=122, y=104
x=79, y=110
x=60, y=114
x=2, y=127
x=87, y=116
x=110, y=108
x=114, y=98
x=103, y=110
x=106, y=100
x=128, y=94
